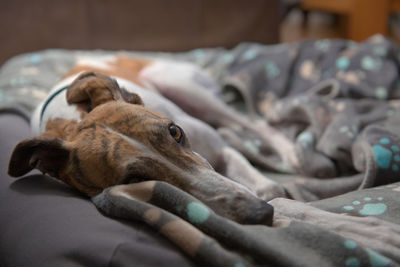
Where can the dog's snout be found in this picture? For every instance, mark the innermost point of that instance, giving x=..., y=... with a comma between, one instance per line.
x=250, y=209
x=259, y=213
x=230, y=199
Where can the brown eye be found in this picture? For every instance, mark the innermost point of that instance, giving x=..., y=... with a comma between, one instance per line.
x=177, y=133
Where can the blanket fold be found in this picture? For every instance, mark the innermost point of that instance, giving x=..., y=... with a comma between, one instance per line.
x=302, y=235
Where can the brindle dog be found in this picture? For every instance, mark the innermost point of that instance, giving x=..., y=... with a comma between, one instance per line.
x=119, y=141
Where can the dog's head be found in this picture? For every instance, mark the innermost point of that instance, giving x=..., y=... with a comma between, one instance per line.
x=120, y=141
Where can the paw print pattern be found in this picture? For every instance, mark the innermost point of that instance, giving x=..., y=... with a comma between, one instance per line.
x=250, y=54
x=371, y=63
x=350, y=131
x=387, y=155
x=305, y=139
x=35, y=59
x=322, y=45
x=375, y=259
x=368, y=206
x=381, y=93
x=342, y=63
x=271, y=69
x=197, y=213
x=253, y=146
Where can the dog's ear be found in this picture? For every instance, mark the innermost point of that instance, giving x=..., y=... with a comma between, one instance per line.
x=94, y=89
x=47, y=154
x=131, y=97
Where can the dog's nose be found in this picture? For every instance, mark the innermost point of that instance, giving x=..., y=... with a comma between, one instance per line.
x=230, y=199
x=260, y=213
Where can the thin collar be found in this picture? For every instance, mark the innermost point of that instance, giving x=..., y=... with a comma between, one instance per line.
x=49, y=100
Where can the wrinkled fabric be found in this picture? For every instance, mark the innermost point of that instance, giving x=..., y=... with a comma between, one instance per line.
x=336, y=100
x=302, y=235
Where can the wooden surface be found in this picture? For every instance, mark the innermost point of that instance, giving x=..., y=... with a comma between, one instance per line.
x=394, y=5
x=334, y=6
x=360, y=18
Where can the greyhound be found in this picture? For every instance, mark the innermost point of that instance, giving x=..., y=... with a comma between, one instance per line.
x=106, y=137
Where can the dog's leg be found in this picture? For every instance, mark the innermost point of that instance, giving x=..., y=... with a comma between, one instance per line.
x=157, y=204
x=240, y=170
x=308, y=189
x=260, y=151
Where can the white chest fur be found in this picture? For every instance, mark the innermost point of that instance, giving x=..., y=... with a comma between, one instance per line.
x=54, y=106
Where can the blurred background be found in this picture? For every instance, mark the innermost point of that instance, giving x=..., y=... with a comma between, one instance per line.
x=350, y=19
x=181, y=25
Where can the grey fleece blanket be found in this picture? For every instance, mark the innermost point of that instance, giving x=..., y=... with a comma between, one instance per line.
x=335, y=100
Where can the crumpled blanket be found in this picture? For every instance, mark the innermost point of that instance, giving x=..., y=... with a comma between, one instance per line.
x=302, y=235
x=336, y=101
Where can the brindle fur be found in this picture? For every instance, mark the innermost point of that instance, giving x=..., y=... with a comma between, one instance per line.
x=118, y=142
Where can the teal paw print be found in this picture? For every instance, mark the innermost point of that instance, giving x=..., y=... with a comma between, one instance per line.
x=375, y=259
x=306, y=139
x=271, y=69
x=199, y=54
x=228, y=58
x=369, y=207
x=371, y=63
x=350, y=131
x=387, y=155
x=322, y=45
x=380, y=51
x=253, y=146
x=35, y=59
x=342, y=63
x=381, y=93
x=250, y=54
x=197, y=213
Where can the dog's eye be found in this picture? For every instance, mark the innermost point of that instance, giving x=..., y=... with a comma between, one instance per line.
x=177, y=133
